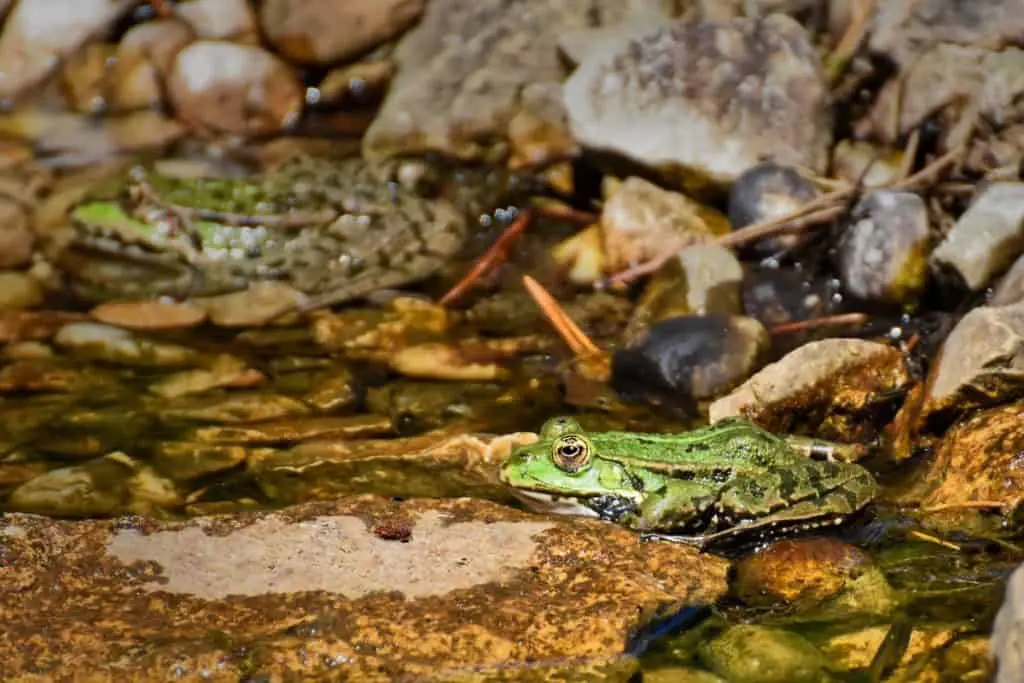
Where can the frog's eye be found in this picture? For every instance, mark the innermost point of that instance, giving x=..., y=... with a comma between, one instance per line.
x=571, y=452
x=558, y=426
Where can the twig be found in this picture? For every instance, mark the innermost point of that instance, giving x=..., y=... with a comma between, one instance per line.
x=565, y=326
x=814, y=323
x=935, y=539
x=851, y=39
x=494, y=255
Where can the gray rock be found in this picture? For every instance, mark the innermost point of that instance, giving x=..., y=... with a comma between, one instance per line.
x=706, y=98
x=981, y=362
x=462, y=71
x=1007, y=645
x=882, y=255
x=903, y=29
x=1010, y=289
x=987, y=237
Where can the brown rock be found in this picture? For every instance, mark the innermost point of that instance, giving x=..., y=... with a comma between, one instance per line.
x=149, y=315
x=834, y=379
x=16, y=237
x=231, y=88
x=327, y=31
x=465, y=584
x=978, y=461
x=145, y=56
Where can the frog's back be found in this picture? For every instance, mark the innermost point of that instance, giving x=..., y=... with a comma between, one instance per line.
x=734, y=444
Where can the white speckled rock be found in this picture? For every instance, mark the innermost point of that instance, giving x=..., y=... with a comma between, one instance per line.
x=706, y=98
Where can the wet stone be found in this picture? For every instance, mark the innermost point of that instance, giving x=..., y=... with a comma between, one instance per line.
x=235, y=408
x=978, y=461
x=822, y=574
x=883, y=254
x=53, y=376
x=689, y=358
x=184, y=460
x=223, y=372
x=296, y=429
x=759, y=654
x=1008, y=632
x=765, y=192
x=468, y=584
x=116, y=345
x=24, y=325
x=430, y=465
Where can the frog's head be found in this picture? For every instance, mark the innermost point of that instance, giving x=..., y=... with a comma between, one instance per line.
x=562, y=472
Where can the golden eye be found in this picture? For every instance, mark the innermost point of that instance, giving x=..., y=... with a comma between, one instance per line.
x=571, y=452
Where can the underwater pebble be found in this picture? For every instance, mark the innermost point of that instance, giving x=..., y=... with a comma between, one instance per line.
x=149, y=315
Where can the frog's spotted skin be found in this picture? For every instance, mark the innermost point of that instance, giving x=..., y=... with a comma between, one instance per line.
x=731, y=479
x=335, y=230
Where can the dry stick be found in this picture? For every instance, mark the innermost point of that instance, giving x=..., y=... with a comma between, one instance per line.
x=974, y=505
x=567, y=213
x=495, y=253
x=565, y=326
x=814, y=323
x=851, y=39
x=934, y=539
x=907, y=162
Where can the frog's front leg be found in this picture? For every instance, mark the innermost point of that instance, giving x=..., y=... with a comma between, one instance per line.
x=673, y=506
x=819, y=449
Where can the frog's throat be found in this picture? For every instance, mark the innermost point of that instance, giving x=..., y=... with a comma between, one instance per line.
x=554, y=504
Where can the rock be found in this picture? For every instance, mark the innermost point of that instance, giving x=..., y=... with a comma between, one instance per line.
x=759, y=654
x=117, y=345
x=23, y=325
x=18, y=291
x=224, y=371
x=229, y=88
x=819, y=574
x=233, y=408
x=46, y=375
x=642, y=18
x=679, y=674
x=461, y=97
x=143, y=61
x=16, y=237
x=777, y=296
x=690, y=357
x=976, y=462
x=231, y=20
x=986, y=238
x=641, y=222
x=38, y=35
x=904, y=29
x=261, y=303
x=75, y=140
x=429, y=465
x=1008, y=632
x=932, y=653
x=1010, y=289
x=949, y=78
x=149, y=315
x=291, y=430
x=419, y=589
x=700, y=279
x=981, y=361
x=837, y=380
x=765, y=192
x=883, y=254
x=105, y=486
x=859, y=161
x=327, y=31
x=698, y=98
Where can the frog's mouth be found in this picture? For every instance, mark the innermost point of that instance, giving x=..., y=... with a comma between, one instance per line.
x=549, y=502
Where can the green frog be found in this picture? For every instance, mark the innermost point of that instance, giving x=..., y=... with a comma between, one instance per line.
x=730, y=481
x=334, y=230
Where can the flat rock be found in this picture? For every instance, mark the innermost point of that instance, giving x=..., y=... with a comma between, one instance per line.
x=986, y=238
x=981, y=362
x=709, y=99
x=462, y=97
x=834, y=379
x=360, y=589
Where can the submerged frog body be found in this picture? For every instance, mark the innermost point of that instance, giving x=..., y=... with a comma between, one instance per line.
x=730, y=480
x=335, y=230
